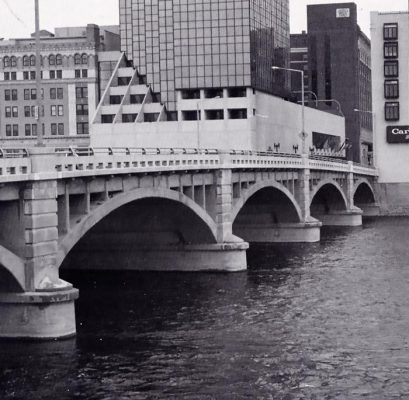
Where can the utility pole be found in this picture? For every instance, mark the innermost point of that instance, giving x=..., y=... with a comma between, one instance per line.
x=40, y=141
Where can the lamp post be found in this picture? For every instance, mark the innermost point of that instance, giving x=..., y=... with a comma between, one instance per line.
x=40, y=141
x=373, y=131
x=200, y=101
x=303, y=134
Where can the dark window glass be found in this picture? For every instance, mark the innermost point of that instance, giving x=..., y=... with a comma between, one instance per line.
x=7, y=95
x=27, y=111
x=239, y=113
x=58, y=59
x=13, y=76
x=6, y=62
x=61, y=129
x=27, y=129
x=14, y=95
x=390, y=31
x=391, y=69
x=26, y=94
x=190, y=115
x=59, y=74
x=85, y=73
x=34, y=129
x=78, y=73
x=390, y=50
x=51, y=59
x=7, y=76
x=15, y=130
x=53, y=129
x=32, y=75
x=15, y=112
x=33, y=94
x=8, y=130
x=60, y=93
x=392, y=111
x=53, y=93
x=391, y=89
x=82, y=128
x=13, y=61
x=214, y=114
x=52, y=74
x=7, y=112
x=128, y=118
x=107, y=118
x=26, y=75
x=77, y=59
x=33, y=60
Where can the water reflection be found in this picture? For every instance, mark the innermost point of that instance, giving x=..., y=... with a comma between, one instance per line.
x=313, y=321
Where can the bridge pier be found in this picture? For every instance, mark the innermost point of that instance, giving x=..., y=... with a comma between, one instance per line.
x=370, y=210
x=341, y=218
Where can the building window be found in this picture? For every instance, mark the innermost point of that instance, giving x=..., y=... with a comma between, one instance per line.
x=60, y=129
x=7, y=95
x=51, y=59
x=392, y=111
x=84, y=59
x=81, y=92
x=6, y=62
x=82, y=128
x=237, y=92
x=32, y=60
x=26, y=94
x=53, y=93
x=129, y=118
x=26, y=61
x=34, y=129
x=27, y=129
x=54, y=129
x=82, y=109
x=59, y=74
x=85, y=73
x=26, y=75
x=391, y=89
x=78, y=73
x=53, y=111
x=77, y=59
x=13, y=76
x=58, y=59
x=15, y=112
x=60, y=110
x=52, y=74
x=14, y=95
x=8, y=130
x=7, y=112
x=13, y=61
x=390, y=50
x=7, y=76
x=391, y=69
x=15, y=130
x=33, y=94
x=32, y=75
x=107, y=118
x=238, y=113
x=390, y=31
x=190, y=94
x=214, y=114
x=60, y=93
x=27, y=111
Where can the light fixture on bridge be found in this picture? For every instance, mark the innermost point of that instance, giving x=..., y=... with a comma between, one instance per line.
x=277, y=147
x=295, y=148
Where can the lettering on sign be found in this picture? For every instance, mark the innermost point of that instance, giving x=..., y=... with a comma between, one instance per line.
x=397, y=134
x=343, y=12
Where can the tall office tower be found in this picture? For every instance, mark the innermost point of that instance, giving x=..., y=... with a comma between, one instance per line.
x=390, y=88
x=340, y=70
x=207, y=44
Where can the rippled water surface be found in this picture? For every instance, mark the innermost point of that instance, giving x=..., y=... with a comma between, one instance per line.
x=315, y=321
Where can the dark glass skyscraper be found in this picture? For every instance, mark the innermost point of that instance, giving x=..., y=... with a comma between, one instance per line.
x=185, y=44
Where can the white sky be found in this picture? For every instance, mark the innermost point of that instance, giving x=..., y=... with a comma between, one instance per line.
x=17, y=16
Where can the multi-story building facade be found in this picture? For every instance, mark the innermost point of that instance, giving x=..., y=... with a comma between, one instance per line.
x=70, y=83
x=181, y=45
x=299, y=61
x=390, y=90
x=339, y=68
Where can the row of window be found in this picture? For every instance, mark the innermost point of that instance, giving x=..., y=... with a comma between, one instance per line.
x=29, y=111
x=55, y=93
x=56, y=129
x=30, y=61
x=31, y=75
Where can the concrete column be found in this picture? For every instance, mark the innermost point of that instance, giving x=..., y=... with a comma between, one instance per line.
x=224, y=198
x=46, y=309
x=303, y=193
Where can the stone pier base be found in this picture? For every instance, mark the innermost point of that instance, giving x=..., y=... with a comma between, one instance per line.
x=342, y=218
x=280, y=233
x=38, y=315
x=370, y=210
x=225, y=257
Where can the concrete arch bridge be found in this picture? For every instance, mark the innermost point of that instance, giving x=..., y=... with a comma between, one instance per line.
x=153, y=209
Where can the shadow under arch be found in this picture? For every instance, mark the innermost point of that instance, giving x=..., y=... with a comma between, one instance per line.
x=328, y=196
x=278, y=192
x=167, y=202
x=12, y=272
x=364, y=193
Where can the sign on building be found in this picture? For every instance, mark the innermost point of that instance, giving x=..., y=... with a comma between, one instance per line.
x=397, y=134
x=343, y=12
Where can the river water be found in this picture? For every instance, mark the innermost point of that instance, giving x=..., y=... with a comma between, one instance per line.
x=312, y=321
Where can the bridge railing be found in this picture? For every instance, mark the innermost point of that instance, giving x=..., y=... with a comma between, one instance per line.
x=17, y=164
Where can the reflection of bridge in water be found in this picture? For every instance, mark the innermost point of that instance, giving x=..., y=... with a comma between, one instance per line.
x=154, y=209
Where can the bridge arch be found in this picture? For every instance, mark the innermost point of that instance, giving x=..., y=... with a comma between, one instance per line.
x=12, y=272
x=110, y=206
x=271, y=185
x=328, y=196
x=364, y=193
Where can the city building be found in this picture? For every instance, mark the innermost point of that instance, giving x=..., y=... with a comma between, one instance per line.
x=185, y=46
x=76, y=66
x=390, y=91
x=299, y=60
x=339, y=71
x=199, y=75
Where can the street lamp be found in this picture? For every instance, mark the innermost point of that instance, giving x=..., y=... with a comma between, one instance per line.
x=201, y=101
x=303, y=134
x=373, y=130
x=328, y=101
x=40, y=141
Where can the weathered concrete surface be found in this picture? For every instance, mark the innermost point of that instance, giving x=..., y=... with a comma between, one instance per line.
x=341, y=218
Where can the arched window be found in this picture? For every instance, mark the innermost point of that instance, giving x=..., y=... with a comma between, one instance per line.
x=84, y=59
x=6, y=61
x=51, y=59
x=58, y=59
x=26, y=61
x=77, y=59
x=33, y=60
x=13, y=61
